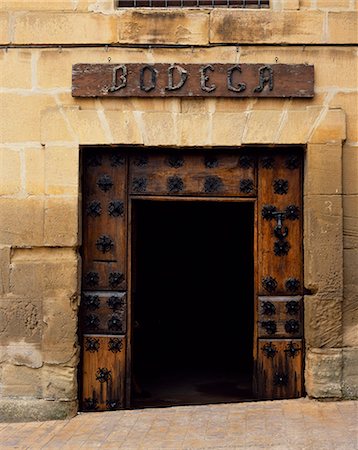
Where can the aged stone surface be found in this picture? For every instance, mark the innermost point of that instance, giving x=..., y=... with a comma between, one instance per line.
x=20, y=320
x=61, y=219
x=59, y=342
x=34, y=161
x=331, y=128
x=23, y=410
x=350, y=225
x=64, y=28
x=16, y=109
x=297, y=126
x=4, y=269
x=323, y=322
x=170, y=26
x=20, y=381
x=350, y=304
x=323, y=373
x=124, y=127
x=61, y=170
x=348, y=102
x=323, y=169
x=4, y=28
x=267, y=27
x=323, y=251
x=350, y=373
x=43, y=272
x=17, y=226
x=227, y=128
x=350, y=169
x=10, y=171
x=59, y=382
x=267, y=122
x=342, y=27
x=18, y=72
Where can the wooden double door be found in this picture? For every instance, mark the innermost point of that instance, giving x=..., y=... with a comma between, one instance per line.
x=114, y=178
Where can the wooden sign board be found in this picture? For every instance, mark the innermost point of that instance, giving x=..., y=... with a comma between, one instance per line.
x=192, y=80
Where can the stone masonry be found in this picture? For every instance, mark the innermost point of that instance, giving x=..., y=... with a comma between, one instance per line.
x=42, y=128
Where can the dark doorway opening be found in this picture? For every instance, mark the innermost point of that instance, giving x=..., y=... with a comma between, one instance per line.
x=193, y=302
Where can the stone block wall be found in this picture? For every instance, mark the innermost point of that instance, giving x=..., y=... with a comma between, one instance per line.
x=42, y=128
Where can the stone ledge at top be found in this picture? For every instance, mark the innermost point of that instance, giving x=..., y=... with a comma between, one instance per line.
x=179, y=27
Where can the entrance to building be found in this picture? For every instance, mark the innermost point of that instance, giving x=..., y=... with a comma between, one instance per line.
x=193, y=302
x=192, y=277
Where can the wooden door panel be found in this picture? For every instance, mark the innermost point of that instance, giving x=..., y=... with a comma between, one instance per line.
x=280, y=317
x=104, y=220
x=280, y=255
x=280, y=270
x=103, y=369
x=104, y=312
x=280, y=366
x=197, y=173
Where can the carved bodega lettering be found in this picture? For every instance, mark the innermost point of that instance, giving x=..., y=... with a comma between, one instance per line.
x=193, y=80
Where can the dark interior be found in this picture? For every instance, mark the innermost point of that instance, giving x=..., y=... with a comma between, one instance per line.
x=192, y=302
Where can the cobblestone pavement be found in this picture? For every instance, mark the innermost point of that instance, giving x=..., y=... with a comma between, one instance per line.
x=288, y=424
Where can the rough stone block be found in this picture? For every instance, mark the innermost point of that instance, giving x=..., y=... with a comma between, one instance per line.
x=22, y=410
x=323, y=322
x=20, y=116
x=194, y=129
x=21, y=353
x=21, y=381
x=228, y=128
x=4, y=269
x=323, y=169
x=62, y=170
x=342, y=27
x=88, y=126
x=21, y=221
x=297, y=126
x=10, y=171
x=4, y=28
x=350, y=221
x=269, y=27
x=123, y=127
x=15, y=69
x=348, y=102
x=323, y=373
x=261, y=127
x=64, y=28
x=54, y=126
x=44, y=272
x=51, y=5
x=350, y=170
x=59, y=382
x=336, y=4
x=163, y=27
x=350, y=373
x=20, y=320
x=323, y=252
x=350, y=302
x=59, y=341
x=331, y=128
x=158, y=128
x=35, y=170
x=61, y=222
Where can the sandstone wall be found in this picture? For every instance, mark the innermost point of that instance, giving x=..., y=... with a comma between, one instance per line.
x=42, y=127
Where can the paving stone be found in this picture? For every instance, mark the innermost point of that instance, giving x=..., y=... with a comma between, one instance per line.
x=279, y=425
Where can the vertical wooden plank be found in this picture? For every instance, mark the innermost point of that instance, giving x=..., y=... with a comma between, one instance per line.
x=280, y=273
x=104, y=219
x=280, y=366
x=103, y=368
x=280, y=190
